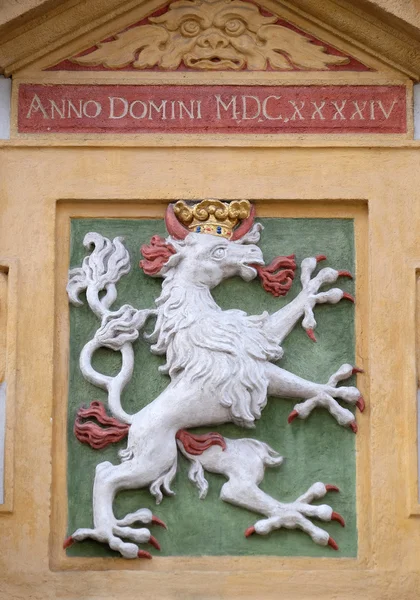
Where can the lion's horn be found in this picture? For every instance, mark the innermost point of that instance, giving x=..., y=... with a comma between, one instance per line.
x=174, y=227
x=245, y=226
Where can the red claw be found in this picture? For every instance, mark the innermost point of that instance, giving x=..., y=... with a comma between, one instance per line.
x=361, y=404
x=249, y=531
x=332, y=488
x=347, y=296
x=144, y=554
x=356, y=370
x=153, y=541
x=292, y=416
x=320, y=257
x=68, y=542
x=332, y=543
x=345, y=274
x=157, y=521
x=353, y=426
x=337, y=517
x=310, y=334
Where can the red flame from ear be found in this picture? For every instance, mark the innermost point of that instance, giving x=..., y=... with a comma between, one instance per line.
x=278, y=283
x=156, y=255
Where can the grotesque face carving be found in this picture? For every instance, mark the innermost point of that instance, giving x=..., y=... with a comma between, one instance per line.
x=215, y=35
x=211, y=35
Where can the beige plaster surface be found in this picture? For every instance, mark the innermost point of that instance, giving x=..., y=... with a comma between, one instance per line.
x=38, y=183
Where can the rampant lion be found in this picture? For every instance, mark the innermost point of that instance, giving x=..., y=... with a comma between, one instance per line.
x=220, y=364
x=211, y=34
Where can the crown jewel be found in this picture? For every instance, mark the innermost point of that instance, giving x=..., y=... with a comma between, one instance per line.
x=212, y=216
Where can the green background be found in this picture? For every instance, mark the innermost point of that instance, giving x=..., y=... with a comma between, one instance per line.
x=316, y=449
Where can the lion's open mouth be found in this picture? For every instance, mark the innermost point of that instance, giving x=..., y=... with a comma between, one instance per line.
x=248, y=270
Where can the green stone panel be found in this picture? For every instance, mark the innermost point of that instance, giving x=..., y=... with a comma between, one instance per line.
x=317, y=449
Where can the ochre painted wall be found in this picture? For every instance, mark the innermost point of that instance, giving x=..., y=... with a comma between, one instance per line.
x=41, y=187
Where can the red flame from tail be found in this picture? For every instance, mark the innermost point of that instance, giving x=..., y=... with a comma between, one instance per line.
x=89, y=432
x=278, y=283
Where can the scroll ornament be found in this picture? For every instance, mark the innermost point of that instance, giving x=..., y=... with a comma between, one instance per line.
x=211, y=35
x=221, y=365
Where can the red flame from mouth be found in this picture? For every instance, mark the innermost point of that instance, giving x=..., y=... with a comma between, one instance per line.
x=277, y=277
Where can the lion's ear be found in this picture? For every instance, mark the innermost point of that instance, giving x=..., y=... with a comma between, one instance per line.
x=252, y=236
x=156, y=255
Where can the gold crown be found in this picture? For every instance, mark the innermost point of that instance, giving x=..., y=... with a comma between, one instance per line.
x=212, y=216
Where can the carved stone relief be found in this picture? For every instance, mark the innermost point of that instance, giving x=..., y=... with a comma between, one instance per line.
x=221, y=369
x=212, y=35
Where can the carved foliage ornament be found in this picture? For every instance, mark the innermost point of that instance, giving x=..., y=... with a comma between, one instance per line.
x=221, y=366
x=211, y=35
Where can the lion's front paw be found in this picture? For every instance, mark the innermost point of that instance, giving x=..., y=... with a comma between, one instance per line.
x=314, y=296
x=326, y=398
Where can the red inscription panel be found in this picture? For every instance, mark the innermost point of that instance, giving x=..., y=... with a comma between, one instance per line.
x=211, y=109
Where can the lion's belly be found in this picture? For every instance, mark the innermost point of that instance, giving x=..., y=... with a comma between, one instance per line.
x=180, y=406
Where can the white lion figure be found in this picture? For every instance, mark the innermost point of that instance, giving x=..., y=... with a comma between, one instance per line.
x=221, y=370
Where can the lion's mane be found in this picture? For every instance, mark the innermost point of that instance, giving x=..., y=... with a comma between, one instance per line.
x=226, y=351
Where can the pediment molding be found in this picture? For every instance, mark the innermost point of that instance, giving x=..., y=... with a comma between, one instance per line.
x=74, y=25
x=212, y=35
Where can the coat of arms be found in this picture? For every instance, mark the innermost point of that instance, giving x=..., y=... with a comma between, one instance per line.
x=222, y=365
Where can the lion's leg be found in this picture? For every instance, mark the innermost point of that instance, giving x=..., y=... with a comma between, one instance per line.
x=284, y=384
x=243, y=462
x=156, y=462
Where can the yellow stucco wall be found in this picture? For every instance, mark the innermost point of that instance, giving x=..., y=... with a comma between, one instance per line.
x=40, y=186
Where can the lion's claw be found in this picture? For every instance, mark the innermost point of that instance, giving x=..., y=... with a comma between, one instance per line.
x=360, y=403
x=332, y=543
x=345, y=274
x=68, y=542
x=347, y=296
x=310, y=333
x=153, y=541
x=331, y=488
x=249, y=531
x=353, y=426
x=157, y=521
x=292, y=416
x=337, y=517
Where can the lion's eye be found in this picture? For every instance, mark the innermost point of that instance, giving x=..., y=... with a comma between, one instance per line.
x=218, y=253
x=234, y=27
x=190, y=28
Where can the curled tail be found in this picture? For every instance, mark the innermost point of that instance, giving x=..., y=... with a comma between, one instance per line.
x=98, y=275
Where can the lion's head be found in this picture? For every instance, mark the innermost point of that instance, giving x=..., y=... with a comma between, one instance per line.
x=211, y=35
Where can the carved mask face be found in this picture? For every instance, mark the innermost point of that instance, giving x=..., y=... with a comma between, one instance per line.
x=211, y=35
x=214, y=35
